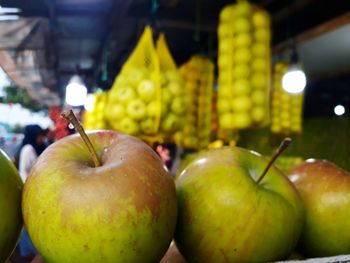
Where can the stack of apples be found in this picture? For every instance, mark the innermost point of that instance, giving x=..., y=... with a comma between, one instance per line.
x=134, y=102
x=286, y=108
x=244, y=66
x=198, y=74
x=173, y=102
x=94, y=118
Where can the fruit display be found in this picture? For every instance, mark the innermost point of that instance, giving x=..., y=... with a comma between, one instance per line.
x=229, y=212
x=325, y=192
x=106, y=198
x=147, y=98
x=134, y=101
x=286, y=108
x=95, y=118
x=174, y=98
x=10, y=206
x=244, y=66
x=198, y=75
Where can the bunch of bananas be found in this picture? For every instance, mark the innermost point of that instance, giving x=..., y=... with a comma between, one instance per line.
x=198, y=74
x=94, y=117
x=244, y=66
x=286, y=108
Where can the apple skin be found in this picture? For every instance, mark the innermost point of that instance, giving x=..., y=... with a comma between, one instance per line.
x=325, y=192
x=225, y=216
x=10, y=206
x=113, y=213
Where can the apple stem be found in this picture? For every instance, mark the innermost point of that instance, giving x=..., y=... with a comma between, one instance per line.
x=284, y=144
x=69, y=116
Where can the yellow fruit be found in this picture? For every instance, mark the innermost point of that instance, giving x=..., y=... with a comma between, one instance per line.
x=258, y=81
x=260, y=19
x=243, y=40
x=259, y=97
x=243, y=9
x=241, y=87
x=260, y=50
x=227, y=13
x=262, y=35
x=259, y=64
x=226, y=121
x=258, y=114
x=243, y=103
x=225, y=46
x=241, y=71
x=241, y=120
x=242, y=55
x=242, y=25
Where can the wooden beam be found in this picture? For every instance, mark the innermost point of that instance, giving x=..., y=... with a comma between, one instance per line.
x=316, y=32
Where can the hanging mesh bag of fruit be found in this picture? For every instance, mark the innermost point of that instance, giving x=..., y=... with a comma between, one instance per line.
x=134, y=101
x=94, y=117
x=173, y=94
x=198, y=75
x=244, y=67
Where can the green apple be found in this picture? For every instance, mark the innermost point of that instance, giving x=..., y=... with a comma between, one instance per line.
x=241, y=87
x=10, y=206
x=114, y=209
x=241, y=120
x=242, y=103
x=243, y=40
x=258, y=114
x=124, y=94
x=226, y=120
x=166, y=96
x=242, y=25
x=177, y=106
x=148, y=126
x=136, y=109
x=227, y=214
x=154, y=109
x=242, y=55
x=175, y=88
x=117, y=112
x=241, y=71
x=170, y=123
x=147, y=90
x=173, y=76
x=243, y=8
x=262, y=35
x=259, y=97
x=136, y=75
x=128, y=126
x=224, y=105
x=260, y=19
x=325, y=192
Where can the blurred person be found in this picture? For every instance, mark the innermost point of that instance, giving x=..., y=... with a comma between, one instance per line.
x=33, y=144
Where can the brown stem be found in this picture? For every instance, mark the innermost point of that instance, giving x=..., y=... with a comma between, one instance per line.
x=284, y=144
x=69, y=116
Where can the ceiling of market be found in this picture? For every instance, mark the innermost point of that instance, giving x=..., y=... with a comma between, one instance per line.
x=95, y=37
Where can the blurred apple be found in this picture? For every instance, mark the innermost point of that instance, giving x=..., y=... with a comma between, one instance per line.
x=128, y=126
x=177, y=106
x=224, y=105
x=242, y=103
x=136, y=109
x=148, y=126
x=174, y=88
x=226, y=120
x=154, y=108
x=242, y=25
x=136, y=75
x=147, y=90
x=241, y=120
x=124, y=94
x=10, y=206
x=243, y=40
x=170, y=122
x=117, y=112
x=325, y=192
x=260, y=19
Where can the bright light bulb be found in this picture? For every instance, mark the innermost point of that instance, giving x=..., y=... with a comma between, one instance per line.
x=75, y=94
x=339, y=110
x=294, y=80
x=89, y=102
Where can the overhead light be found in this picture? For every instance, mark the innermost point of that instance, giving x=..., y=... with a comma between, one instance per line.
x=8, y=17
x=339, y=110
x=9, y=10
x=76, y=91
x=294, y=80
